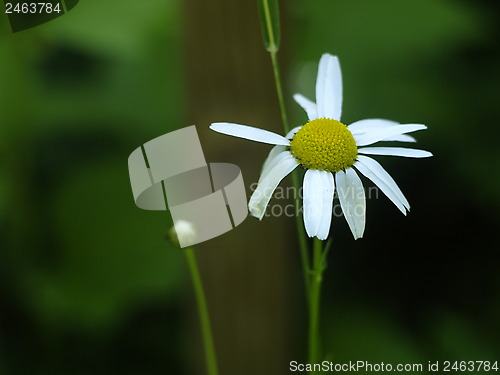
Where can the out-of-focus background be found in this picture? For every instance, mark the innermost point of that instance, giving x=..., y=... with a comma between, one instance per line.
x=88, y=282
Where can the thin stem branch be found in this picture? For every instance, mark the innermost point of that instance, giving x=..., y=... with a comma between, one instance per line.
x=279, y=90
x=304, y=251
x=273, y=50
x=206, y=329
x=269, y=26
x=314, y=301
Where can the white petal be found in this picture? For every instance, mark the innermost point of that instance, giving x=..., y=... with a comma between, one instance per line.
x=265, y=189
x=292, y=132
x=308, y=105
x=401, y=138
x=249, y=132
x=395, y=151
x=272, y=159
x=312, y=200
x=329, y=88
x=384, y=133
x=352, y=200
x=275, y=151
x=364, y=126
x=318, y=202
x=374, y=171
x=327, y=206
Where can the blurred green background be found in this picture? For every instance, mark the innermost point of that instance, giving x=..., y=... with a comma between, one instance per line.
x=88, y=283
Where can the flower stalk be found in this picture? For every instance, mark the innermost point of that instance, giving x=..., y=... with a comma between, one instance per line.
x=206, y=329
x=184, y=231
x=279, y=90
x=314, y=301
x=270, y=25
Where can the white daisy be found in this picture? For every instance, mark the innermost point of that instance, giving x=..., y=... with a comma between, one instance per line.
x=332, y=154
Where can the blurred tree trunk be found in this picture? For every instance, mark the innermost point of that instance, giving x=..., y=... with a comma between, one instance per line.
x=247, y=272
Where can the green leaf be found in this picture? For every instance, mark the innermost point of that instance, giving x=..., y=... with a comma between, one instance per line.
x=270, y=22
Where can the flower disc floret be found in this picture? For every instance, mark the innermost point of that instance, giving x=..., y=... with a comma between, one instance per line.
x=324, y=144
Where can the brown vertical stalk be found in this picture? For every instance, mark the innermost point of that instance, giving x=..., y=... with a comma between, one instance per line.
x=247, y=271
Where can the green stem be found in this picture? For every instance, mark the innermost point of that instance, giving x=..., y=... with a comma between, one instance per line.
x=273, y=50
x=273, y=46
x=304, y=251
x=279, y=90
x=208, y=341
x=314, y=301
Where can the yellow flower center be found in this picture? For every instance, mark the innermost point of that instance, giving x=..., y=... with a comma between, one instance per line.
x=324, y=144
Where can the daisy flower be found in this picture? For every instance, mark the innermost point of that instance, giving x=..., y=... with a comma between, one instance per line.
x=332, y=154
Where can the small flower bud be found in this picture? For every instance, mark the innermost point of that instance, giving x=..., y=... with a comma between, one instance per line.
x=182, y=234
